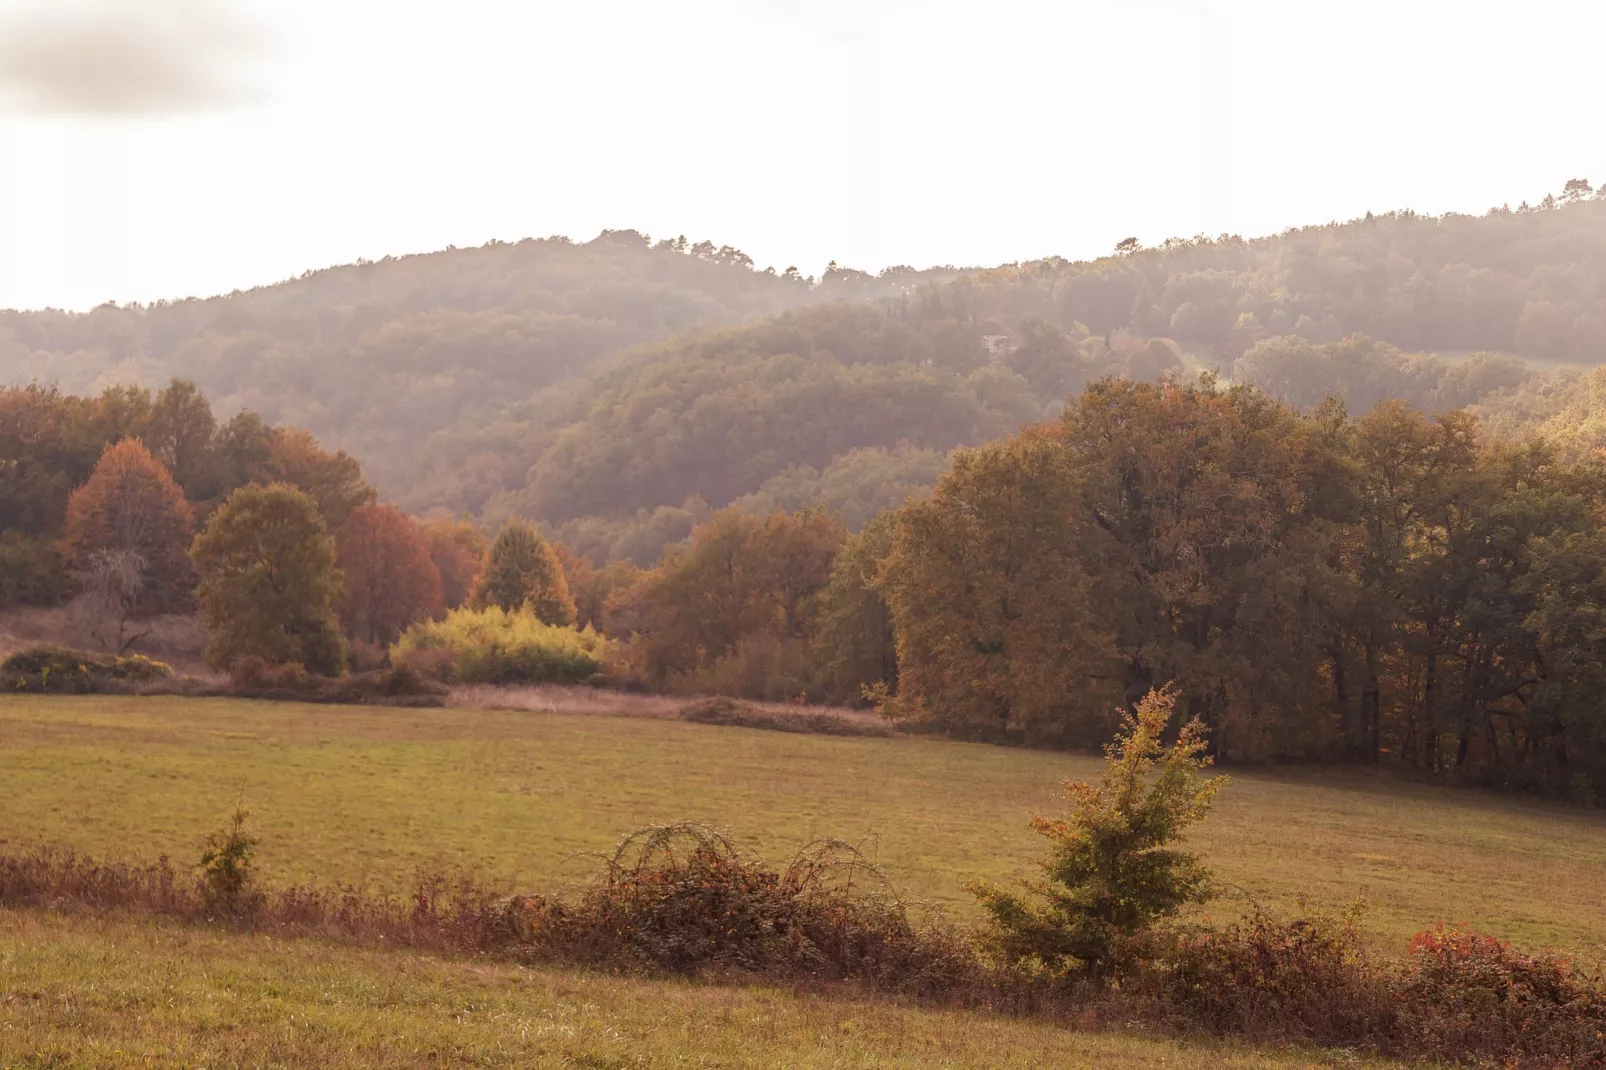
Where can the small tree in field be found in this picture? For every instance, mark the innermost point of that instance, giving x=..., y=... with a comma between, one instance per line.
x=269, y=585
x=1113, y=869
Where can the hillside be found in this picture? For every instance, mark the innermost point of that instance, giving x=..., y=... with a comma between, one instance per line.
x=619, y=390
x=373, y=356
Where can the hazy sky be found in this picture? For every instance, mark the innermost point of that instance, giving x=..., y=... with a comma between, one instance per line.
x=163, y=148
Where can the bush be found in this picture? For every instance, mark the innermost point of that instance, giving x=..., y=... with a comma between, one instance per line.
x=1305, y=979
x=1462, y=991
x=684, y=899
x=254, y=677
x=495, y=646
x=63, y=671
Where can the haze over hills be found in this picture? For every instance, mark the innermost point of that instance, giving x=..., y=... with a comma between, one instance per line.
x=620, y=388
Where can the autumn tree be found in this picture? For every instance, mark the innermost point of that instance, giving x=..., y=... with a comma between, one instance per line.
x=269, y=586
x=334, y=481
x=1114, y=865
x=130, y=507
x=391, y=579
x=592, y=586
x=520, y=570
x=852, y=641
x=458, y=549
x=998, y=636
x=733, y=610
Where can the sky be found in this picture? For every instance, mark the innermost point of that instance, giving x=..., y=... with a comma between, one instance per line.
x=170, y=148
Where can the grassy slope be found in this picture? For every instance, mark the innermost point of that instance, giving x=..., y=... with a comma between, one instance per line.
x=368, y=795
x=164, y=996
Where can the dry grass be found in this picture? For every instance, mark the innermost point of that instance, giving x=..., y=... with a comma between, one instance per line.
x=591, y=701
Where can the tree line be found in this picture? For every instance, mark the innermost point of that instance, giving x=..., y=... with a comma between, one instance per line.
x=1396, y=587
x=1316, y=586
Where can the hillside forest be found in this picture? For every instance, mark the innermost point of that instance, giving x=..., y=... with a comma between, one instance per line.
x=1343, y=486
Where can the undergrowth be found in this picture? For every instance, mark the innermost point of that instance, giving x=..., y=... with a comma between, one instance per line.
x=685, y=900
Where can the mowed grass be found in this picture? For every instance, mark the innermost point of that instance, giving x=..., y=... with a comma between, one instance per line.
x=362, y=795
x=104, y=992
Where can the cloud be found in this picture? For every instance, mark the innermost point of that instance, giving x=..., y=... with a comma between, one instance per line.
x=123, y=57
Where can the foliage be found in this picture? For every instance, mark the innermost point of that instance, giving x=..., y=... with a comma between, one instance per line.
x=458, y=550
x=732, y=612
x=1394, y=587
x=391, y=579
x=228, y=869
x=33, y=571
x=997, y=635
x=1462, y=990
x=269, y=586
x=853, y=643
x=1113, y=870
x=57, y=669
x=521, y=571
x=495, y=646
x=1265, y=977
x=131, y=506
x=402, y=686
x=334, y=481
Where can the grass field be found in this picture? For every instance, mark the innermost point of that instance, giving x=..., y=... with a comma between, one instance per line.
x=165, y=997
x=368, y=795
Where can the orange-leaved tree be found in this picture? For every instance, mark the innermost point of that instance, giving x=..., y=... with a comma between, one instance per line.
x=131, y=507
x=391, y=580
x=458, y=550
x=334, y=481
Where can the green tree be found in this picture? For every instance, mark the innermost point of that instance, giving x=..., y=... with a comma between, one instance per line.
x=269, y=586
x=522, y=570
x=1114, y=867
x=182, y=435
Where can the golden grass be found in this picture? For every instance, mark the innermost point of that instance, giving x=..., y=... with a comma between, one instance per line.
x=369, y=795
x=104, y=992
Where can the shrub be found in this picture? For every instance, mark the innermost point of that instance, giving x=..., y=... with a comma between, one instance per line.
x=1462, y=991
x=1304, y=979
x=495, y=646
x=685, y=900
x=253, y=677
x=64, y=671
x=1112, y=871
x=228, y=869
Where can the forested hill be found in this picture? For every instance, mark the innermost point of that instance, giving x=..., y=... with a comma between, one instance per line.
x=849, y=405
x=621, y=389
x=1529, y=281
x=373, y=356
